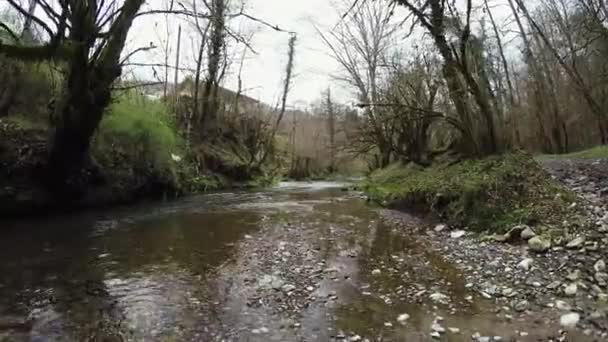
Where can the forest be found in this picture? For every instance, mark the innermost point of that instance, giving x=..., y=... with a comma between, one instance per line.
x=429, y=81
x=318, y=170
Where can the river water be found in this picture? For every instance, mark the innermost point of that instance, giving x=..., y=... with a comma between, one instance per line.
x=300, y=262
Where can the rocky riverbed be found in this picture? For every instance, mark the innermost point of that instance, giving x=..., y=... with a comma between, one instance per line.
x=305, y=262
x=558, y=280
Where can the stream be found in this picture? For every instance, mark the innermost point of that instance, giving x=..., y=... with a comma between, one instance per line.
x=299, y=262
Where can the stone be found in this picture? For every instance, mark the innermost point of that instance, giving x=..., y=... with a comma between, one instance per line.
x=437, y=327
x=376, y=272
x=440, y=227
x=601, y=278
x=602, y=297
x=571, y=290
x=525, y=264
x=403, y=318
x=561, y=305
x=355, y=338
x=288, y=288
x=576, y=243
x=439, y=298
x=554, y=285
x=539, y=244
x=454, y=330
x=435, y=334
x=483, y=339
x=599, y=266
x=569, y=320
x=522, y=306
x=527, y=233
x=457, y=234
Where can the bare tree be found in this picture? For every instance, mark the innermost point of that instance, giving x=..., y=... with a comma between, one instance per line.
x=359, y=43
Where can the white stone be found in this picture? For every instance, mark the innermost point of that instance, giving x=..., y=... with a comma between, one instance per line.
x=599, y=266
x=403, y=318
x=576, y=242
x=571, y=289
x=527, y=233
x=440, y=227
x=457, y=234
x=288, y=288
x=525, y=264
x=439, y=297
x=454, y=330
x=561, y=305
x=437, y=327
x=376, y=272
x=569, y=320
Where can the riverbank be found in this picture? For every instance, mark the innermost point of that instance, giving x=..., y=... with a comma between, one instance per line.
x=305, y=261
x=551, y=268
x=132, y=160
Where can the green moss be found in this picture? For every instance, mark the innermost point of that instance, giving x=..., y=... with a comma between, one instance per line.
x=489, y=194
x=592, y=153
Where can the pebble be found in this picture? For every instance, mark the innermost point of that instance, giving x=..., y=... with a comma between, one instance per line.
x=376, y=272
x=454, y=330
x=438, y=328
x=561, y=305
x=403, y=318
x=576, y=243
x=569, y=320
x=539, y=244
x=525, y=264
x=457, y=234
x=570, y=290
x=527, y=234
x=440, y=227
x=599, y=266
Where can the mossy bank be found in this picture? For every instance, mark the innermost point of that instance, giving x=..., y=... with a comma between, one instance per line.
x=137, y=153
x=490, y=195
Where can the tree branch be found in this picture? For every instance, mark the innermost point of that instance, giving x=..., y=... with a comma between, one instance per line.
x=37, y=20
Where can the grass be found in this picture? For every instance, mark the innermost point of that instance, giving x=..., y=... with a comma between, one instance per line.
x=141, y=131
x=592, y=153
x=491, y=194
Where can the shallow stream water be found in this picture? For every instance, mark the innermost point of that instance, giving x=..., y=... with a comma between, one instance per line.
x=299, y=262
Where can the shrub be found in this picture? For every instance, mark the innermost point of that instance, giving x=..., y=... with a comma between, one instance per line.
x=488, y=194
x=142, y=131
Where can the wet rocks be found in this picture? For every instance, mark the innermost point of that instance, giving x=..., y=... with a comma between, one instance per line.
x=439, y=298
x=539, y=244
x=599, y=266
x=457, y=234
x=521, y=306
x=527, y=233
x=440, y=227
x=525, y=264
x=576, y=243
x=569, y=320
x=571, y=290
x=288, y=288
x=402, y=319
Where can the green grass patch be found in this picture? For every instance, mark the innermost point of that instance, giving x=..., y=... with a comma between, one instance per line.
x=491, y=194
x=142, y=132
x=592, y=153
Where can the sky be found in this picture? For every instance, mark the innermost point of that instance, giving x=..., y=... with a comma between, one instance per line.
x=263, y=72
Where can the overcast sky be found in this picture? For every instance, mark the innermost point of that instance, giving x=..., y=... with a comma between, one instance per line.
x=263, y=72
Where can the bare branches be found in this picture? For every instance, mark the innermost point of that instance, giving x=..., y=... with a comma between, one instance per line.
x=34, y=18
x=9, y=31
